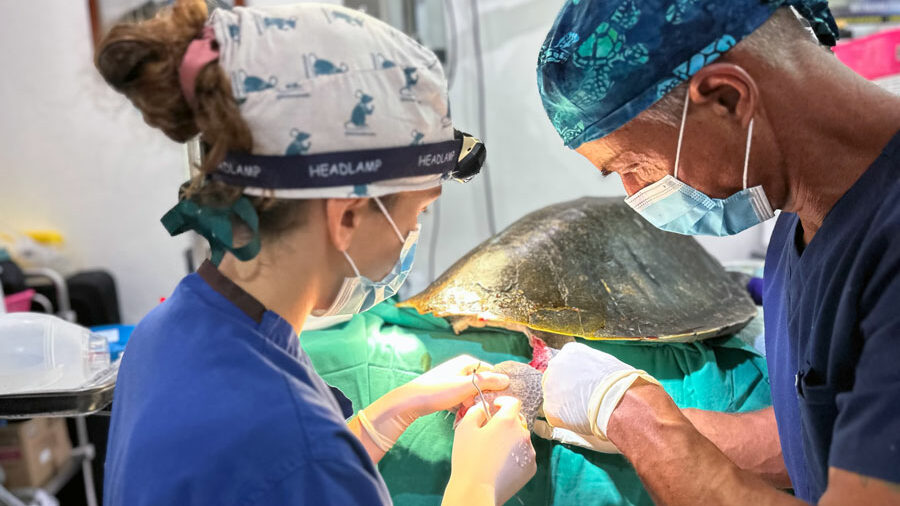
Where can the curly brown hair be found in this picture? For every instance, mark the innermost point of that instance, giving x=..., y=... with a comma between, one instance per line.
x=141, y=61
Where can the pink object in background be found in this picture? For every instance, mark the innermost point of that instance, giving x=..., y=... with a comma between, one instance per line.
x=19, y=302
x=874, y=56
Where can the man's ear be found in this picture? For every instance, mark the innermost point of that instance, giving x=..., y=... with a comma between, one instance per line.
x=343, y=217
x=728, y=88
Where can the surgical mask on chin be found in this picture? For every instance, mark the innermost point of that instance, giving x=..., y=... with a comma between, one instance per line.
x=674, y=206
x=359, y=294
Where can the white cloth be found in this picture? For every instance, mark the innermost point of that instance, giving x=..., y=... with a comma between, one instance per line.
x=318, y=78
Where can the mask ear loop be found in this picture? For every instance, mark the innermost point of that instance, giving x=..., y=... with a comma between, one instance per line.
x=687, y=100
x=393, y=225
x=390, y=220
x=352, y=264
x=747, y=154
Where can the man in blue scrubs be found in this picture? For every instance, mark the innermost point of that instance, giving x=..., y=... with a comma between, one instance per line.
x=714, y=114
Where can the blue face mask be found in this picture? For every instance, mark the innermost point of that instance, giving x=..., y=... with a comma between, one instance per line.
x=673, y=206
x=359, y=294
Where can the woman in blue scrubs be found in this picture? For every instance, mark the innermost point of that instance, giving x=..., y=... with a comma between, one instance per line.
x=309, y=190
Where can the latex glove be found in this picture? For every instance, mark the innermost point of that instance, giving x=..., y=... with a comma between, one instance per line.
x=442, y=388
x=582, y=386
x=492, y=459
x=450, y=384
x=544, y=430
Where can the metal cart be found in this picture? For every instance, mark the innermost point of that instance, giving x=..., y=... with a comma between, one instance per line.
x=94, y=397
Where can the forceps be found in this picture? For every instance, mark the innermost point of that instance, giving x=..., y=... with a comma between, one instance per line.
x=484, y=403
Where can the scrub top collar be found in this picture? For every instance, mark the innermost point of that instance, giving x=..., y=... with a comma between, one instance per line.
x=275, y=328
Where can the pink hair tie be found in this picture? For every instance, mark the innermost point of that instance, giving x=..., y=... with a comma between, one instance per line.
x=200, y=51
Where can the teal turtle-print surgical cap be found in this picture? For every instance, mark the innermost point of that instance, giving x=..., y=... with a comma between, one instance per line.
x=606, y=61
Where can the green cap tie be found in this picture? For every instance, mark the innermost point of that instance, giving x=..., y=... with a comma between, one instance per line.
x=214, y=223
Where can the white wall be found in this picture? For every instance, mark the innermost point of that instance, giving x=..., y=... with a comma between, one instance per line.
x=76, y=157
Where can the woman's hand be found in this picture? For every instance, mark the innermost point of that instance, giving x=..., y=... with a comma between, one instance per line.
x=442, y=388
x=449, y=385
x=492, y=459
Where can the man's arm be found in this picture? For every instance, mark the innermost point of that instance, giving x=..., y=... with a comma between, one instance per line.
x=750, y=440
x=674, y=461
x=680, y=466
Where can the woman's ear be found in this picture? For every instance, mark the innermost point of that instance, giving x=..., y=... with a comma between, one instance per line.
x=728, y=89
x=342, y=218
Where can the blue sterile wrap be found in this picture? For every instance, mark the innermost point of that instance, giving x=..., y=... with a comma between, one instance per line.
x=604, y=62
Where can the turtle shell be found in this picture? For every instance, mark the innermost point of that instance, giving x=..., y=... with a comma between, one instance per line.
x=590, y=268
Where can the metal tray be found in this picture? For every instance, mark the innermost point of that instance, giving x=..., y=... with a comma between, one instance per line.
x=91, y=398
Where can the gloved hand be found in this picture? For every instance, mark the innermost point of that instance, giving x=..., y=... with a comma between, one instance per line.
x=582, y=386
x=544, y=430
x=442, y=388
x=492, y=459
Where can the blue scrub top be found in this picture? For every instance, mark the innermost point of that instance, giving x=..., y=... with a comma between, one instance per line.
x=217, y=404
x=832, y=315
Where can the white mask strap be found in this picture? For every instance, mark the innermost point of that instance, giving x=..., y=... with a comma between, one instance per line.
x=687, y=100
x=353, y=265
x=390, y=220
x=747, y=154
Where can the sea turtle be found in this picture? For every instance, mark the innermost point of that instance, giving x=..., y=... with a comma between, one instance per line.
x=701, y=59
x=589, y=268
x=676, y=11
x=558, y=52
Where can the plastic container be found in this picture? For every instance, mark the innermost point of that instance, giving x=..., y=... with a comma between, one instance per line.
x=117, y=335
x=40, y=352
x=19, y=302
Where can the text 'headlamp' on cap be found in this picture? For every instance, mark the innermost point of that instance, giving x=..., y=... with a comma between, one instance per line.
x=459, y=159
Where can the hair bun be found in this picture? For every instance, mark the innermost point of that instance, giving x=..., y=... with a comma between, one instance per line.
x=141, y=60
x=120, y=62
